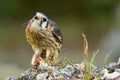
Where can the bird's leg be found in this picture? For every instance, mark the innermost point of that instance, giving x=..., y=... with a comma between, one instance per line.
x=47, y=55
x=54, y=57
x=36, y=59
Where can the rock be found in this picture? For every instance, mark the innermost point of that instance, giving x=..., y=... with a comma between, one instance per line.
x=70, y=72
x=10, y=78
x=118, y=61
x=110, y=76
x=111, y=71
x=30, y=74
x=42, y=76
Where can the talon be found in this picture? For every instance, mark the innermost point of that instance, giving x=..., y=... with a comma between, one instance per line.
x=37, y=62
x=40, y=60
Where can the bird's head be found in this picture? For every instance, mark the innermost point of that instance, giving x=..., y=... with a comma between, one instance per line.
x=39, y=21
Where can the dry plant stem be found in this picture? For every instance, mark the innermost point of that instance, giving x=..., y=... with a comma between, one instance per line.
x=85, y=57
x=85, y=45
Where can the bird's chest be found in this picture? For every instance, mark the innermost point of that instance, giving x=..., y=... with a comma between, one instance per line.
x=37, y=39
x=33, y=38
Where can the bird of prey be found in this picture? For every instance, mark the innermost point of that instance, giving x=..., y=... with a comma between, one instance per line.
x=45, y=38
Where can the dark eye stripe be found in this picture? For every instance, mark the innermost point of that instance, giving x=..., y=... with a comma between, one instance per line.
x=47, y=24
x=41, y=23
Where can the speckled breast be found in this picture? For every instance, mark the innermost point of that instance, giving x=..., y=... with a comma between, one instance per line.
x=37, y=40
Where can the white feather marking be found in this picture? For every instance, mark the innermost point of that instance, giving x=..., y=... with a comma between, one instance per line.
x=40, y=14
x=44, y=24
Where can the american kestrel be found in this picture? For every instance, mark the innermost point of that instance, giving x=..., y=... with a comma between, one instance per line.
x=45, y=38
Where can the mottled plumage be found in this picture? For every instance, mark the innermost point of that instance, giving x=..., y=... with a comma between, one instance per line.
x=45, y=38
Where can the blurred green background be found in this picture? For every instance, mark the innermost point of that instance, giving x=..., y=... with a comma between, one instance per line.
x=98, y=19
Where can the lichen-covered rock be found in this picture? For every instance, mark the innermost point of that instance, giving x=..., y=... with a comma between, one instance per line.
x=70, y=72
x=30, y=74
x=10, y=78
x=111, y=71
x=42, y=76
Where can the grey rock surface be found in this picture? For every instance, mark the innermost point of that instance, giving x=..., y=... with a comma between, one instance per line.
x=70, y=72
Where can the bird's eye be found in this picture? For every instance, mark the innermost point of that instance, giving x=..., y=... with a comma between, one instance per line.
x=44, y=19
x=36, y=17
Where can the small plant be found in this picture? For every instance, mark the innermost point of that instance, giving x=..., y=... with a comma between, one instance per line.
x=106, y=58
x=88, y=62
